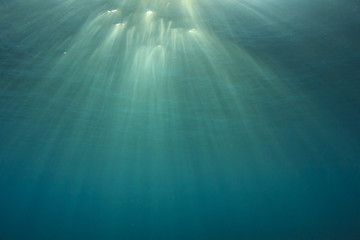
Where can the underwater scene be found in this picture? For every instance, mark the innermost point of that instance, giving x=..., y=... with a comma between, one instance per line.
x=179, y=119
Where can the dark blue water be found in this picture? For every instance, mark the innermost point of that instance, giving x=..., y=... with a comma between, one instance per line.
x=189, y=119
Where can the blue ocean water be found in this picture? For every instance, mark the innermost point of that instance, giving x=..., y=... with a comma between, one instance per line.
x=179, y=119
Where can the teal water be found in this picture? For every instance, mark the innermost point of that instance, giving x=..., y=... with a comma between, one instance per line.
x=179, y=119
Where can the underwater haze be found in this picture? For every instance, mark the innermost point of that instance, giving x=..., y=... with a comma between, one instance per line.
x=179, y=119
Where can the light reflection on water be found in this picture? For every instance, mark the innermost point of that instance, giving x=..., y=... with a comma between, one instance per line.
x=190, y=119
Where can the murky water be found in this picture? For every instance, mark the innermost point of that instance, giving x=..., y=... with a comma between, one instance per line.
x=179, y=119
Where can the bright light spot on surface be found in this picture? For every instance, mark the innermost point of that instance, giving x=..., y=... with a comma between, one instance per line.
x=149, y=12
x=112, y=11
x=192, y=30
x=120, y=24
